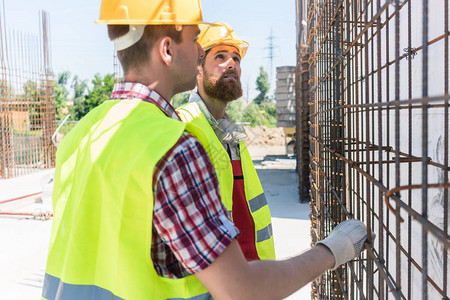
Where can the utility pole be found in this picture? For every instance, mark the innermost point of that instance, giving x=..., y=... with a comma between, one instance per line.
x=271, y=56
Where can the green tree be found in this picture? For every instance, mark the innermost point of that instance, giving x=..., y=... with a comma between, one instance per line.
x=235, y=110
x=80, y=88
x=31, y=92
x=101, y=91
x=31, y=96
x=260, y=114
x=180, y=99
x=270, y=113
x=61, y=93
x=253, y=115
x=85, y=100
x=6, y=91
x=262, y=85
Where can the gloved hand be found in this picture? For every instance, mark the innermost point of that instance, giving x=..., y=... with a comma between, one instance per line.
x=346, y=241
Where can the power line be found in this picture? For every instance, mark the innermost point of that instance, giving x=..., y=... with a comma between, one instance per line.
x=271, y=55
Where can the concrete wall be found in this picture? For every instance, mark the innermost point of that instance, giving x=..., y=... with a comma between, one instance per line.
x=285, y=96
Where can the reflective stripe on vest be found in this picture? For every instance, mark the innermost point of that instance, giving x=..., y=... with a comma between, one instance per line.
x=100, y=246
x=54, y=286
x=264, y=234
x=199, y=126
x=257, y=202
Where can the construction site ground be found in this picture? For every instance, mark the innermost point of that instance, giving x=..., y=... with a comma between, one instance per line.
x=25, y=240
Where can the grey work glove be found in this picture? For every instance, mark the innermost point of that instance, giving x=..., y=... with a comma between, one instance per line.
x=346, y=241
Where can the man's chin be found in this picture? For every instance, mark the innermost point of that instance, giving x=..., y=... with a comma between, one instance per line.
x=222, y=98
x=231, y=99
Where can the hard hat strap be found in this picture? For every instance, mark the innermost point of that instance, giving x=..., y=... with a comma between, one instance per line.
x=130, y=38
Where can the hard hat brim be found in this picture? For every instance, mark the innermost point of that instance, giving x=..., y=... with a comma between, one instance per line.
x=240, y=45
x=146, y=22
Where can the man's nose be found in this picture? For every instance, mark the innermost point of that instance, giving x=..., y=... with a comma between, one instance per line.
x=231, y=64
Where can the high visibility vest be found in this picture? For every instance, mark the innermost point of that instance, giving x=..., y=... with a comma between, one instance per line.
x=254, y=193
x=103, y=207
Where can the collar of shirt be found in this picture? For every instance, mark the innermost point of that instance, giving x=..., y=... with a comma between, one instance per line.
x=133, y=90
x=226, y=130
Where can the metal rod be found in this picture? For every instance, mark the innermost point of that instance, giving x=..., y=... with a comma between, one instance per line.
x=19, y=198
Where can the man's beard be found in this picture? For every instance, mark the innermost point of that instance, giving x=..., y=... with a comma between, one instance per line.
x=223, y=89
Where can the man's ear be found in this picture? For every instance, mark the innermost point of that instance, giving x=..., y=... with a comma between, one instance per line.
x=200, y=72
x=166, y=50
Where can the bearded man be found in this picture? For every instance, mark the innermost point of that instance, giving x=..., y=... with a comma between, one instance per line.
x=218, y=84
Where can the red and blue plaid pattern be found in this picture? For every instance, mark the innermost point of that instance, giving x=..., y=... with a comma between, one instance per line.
x=132, y=90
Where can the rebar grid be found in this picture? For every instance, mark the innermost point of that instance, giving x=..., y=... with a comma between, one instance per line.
x=27, y=102
x=378, y=93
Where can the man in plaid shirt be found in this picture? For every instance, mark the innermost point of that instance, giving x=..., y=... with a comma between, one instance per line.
x=191, y=232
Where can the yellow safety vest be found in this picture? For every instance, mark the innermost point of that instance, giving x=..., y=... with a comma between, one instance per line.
x=103, y=207
x=254, y=193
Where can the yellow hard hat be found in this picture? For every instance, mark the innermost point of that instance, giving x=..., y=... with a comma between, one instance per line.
x=150, y=12
x=221, y=33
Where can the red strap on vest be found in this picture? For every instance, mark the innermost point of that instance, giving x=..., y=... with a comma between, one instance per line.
x=241, y=214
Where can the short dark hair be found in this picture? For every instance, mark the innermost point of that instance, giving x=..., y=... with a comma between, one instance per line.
x=134, y=56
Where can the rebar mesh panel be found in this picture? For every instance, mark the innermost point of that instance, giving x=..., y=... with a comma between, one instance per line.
x=27, y=102
x=379, y=146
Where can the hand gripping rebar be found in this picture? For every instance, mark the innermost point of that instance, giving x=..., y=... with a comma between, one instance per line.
x=346, y=241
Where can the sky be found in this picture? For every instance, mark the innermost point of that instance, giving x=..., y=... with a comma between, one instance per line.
x=80, y=46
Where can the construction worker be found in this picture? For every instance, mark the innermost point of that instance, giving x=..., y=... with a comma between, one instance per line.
x=218, y=83
x=137, y=209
